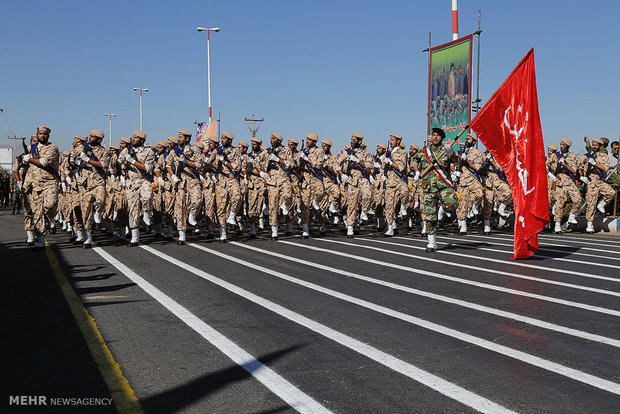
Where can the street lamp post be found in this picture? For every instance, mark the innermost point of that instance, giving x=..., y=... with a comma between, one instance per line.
x=141, y=90
x=204, y=29
x=110, y=116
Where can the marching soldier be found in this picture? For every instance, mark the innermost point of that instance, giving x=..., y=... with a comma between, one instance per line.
x=208, y=186
x=470, y=183
x=552, y=164
x=436, y=183
x=395, y=170
x=254, y=171
x=379, y=185
x=112, y=186
x=182, y=164
x=412, y=184
x=312, y=191
x=332, y=201
x=566, y=184
x=497, y=192
x=41, y=183
x=93, y=160
x=20, y=171
x=159, y=190
x=139, y=163
x=595, y=165
x=279, y=188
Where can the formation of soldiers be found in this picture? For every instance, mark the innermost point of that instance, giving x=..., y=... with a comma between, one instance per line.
x=204, y=187
x=581, y=183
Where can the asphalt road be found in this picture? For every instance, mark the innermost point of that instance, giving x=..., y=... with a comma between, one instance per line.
x=364, y=325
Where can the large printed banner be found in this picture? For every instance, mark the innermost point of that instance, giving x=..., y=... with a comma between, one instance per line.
x=206, y=130
x=449, y=86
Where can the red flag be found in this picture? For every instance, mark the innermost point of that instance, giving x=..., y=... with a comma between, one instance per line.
x=509, y=127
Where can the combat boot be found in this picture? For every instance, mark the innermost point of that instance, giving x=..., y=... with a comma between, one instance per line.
x=431, y=246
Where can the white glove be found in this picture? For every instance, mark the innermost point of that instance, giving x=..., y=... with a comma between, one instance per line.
x=382, y=158
x=592, y=161
x=160, y=181
x=68, y=180
x=448, y=149
x=388, y=161
x=344, y=178
x=221, y=158
x=26, y=158
x=129, y=159
x=113, y=178
x=416, y=176
x=551, y=176
x=202, y=179
x=464, y=156
x=183, y=159
x=453, y=176
x=489, y=156
x=383, y=177
x=84, y=157
x=303, y=156
x=274, y=157
x=122, y=181
x=264, y=175
x=584, y=179
x=353, y=158
x=20, y=185
x=213, y=178
x=376, y=165
x=372, y=180
x=562, y=161
x=175, y=178
x=64, y=187
x=457, y=173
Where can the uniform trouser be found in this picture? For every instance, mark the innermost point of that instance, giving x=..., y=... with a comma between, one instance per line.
x=255, y=192
x=433, y=194
x=472, y=195
x=139, y=199
x=279, y=191
x=228, y=198
x=412, y=193
x=208, y=194
x=499, y=192
x=562, y=194
x=353, y=202
x=168, y=206
x=158, y=205
x=76, y=209
x=379, y=197
x=312, y=189
x=597, y=188
x=332, y=191
x=121, y=206
x=28, y=213
x=394, y=195
x=92, y=199
x=550, y=192
x=188, y=199
x=365, y=194
x=108, y=210
x=43, y=203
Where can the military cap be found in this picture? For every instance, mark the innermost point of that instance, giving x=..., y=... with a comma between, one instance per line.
x=65, y=153
x=397, y=136
x=357, y=135
x=174, y=140
x=214, y=139
x=200, y=145
x=552, y=147
x=598, y=141
x=43, y=128
x=402, y=145
x=566, y=141
x=81, y=138
x=125, y=140
x=243, y=144
x=228, y=135
x=162, y=144
x=185, y=132
x=257, y=140
x=415, y=147
x=472, y=137
x=439, y=131
x=139, y=134
x=293, y=140
x=152, y=146
x=347, y=146
x=382, y=145
x=276, y=135
x=312, y=136
x=605, y=141
x=34, y=136
x=97, y=133
x=326, y=142
x=115, y=147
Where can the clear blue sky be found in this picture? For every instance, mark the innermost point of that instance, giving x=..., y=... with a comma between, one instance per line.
x=332, y=67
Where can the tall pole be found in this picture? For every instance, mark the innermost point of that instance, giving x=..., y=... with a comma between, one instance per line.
x=141, y=90
x=455, y=20
x=110, y=116
x=209, y=70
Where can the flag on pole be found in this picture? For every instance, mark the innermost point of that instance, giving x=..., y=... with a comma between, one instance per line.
x=509, y=127
x=206, y=130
